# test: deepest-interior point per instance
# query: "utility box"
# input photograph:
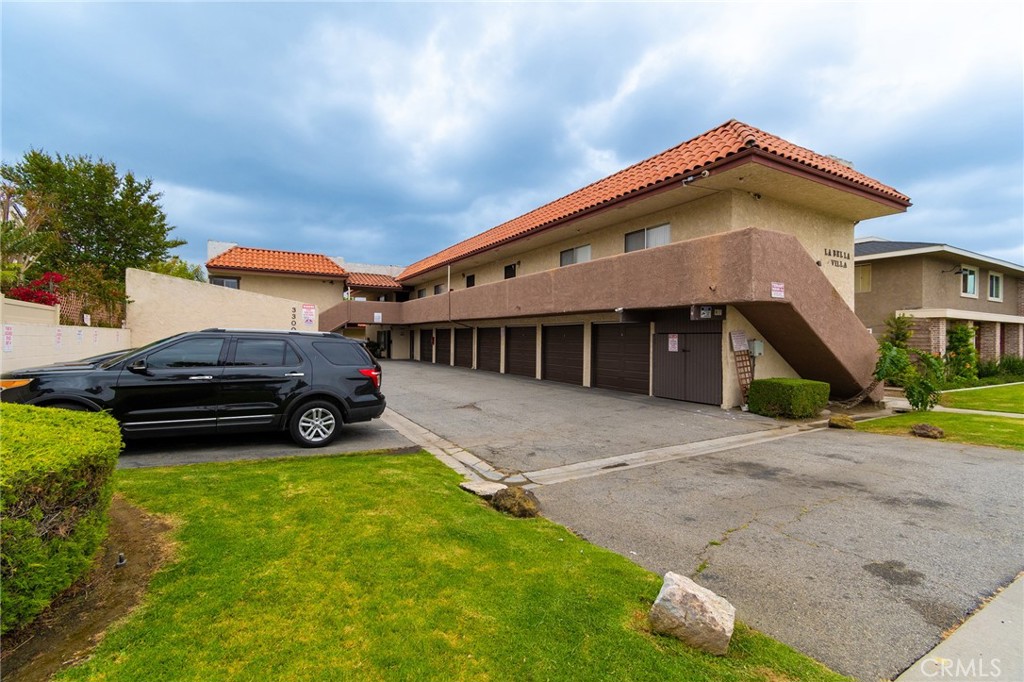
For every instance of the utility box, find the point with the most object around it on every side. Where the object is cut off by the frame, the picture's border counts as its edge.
(756, 347)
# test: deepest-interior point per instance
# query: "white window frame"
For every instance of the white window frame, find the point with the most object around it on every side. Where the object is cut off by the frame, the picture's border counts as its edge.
(995, 277)
(964, 269)
(647, 231)
(577, 254)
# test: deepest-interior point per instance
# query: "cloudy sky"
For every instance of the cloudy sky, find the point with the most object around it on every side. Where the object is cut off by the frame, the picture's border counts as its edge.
(385, 132)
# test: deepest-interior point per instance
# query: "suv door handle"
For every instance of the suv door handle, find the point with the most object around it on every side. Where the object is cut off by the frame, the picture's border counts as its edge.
(295, 374)
(199, 377)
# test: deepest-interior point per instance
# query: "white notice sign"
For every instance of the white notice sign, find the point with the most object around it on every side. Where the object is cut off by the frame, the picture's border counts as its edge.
(308, 313)
(673, 343)
(8, 338)
(778, 290)
(378, 318)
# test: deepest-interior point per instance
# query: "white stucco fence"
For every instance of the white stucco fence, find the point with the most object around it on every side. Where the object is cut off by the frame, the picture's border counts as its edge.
(32, 337)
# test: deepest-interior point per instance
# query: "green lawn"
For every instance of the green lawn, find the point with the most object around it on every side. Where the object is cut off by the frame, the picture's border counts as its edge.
(1003, 432)
(995, 399)
(380, 568)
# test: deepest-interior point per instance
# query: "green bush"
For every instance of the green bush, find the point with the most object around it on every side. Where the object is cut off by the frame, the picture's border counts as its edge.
(961, 358)
(1011, 365)
(796, 398)
(987, 368)
(55, 489)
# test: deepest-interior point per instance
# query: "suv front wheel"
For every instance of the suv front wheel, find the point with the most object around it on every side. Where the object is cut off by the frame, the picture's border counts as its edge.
(315, 424)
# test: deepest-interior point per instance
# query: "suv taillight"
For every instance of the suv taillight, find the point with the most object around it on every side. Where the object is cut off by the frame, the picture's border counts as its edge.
(373, 374)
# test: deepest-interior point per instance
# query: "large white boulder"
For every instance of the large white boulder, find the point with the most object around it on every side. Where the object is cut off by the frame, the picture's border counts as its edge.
(693, 614)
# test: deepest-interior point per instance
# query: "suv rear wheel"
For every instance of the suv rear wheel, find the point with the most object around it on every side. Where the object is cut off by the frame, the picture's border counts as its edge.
(315, 424)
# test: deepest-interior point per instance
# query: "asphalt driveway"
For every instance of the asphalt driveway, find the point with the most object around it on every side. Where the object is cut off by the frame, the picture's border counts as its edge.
(857, 549)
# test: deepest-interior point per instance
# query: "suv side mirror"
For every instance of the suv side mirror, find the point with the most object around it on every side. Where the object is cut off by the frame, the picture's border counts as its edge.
(139, 367)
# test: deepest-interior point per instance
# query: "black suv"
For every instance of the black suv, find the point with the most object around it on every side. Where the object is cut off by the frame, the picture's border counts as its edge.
(218, 381)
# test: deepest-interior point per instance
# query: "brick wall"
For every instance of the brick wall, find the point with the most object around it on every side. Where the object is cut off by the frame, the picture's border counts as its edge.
(929, 335)
(988, 341)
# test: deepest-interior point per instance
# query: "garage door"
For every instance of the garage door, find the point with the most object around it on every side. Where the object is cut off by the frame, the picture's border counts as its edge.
(688, 367)
(426, 344)
(562, 356)
(443, 344)
(488, 349)
(621, 357)
(521, 351)
(463, 347)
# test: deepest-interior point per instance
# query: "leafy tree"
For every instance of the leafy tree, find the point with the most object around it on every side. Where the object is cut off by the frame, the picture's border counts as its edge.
(176, 267)
(98, 217)
(23, 240)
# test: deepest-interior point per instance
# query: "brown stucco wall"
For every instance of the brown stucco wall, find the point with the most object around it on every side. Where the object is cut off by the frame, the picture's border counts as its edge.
(811, 328)
(895, 285)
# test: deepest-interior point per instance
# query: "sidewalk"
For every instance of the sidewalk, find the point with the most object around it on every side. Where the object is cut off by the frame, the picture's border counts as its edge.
(988, 646)
(899, 404)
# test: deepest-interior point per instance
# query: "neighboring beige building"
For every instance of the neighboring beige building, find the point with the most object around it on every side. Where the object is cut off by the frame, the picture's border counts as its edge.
(940, 285)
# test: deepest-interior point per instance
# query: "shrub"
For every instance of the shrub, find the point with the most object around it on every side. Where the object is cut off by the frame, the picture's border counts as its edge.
(987, 368)
(796, 398)
(55, 489)
(898, 330)
(922, 389)
(1011, 365)
(961, 358)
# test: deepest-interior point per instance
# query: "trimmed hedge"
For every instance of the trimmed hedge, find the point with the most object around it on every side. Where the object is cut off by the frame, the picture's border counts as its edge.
(796, 398)
(55, 487)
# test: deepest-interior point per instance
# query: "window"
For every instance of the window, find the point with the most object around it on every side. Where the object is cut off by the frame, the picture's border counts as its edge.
(648, 238)
(229, 282)
(510, 271)
(421, 293)
(200, 352)
(968, 281)
(438, 289)
(343, 353)
(862, 279)
(579, 254)
(470, 281)
(995, 286)
(264, 353)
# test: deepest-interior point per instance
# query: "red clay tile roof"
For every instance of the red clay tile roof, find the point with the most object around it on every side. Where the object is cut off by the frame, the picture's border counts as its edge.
(268, 260)
(365, 280)
(728, 139)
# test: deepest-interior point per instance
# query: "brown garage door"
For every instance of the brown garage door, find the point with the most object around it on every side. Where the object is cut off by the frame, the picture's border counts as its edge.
(562, 355)
(688, 367)
(488, 349)
(463, 347)
(426, 344)
(521, 351)
(622, 357)
(443, 344)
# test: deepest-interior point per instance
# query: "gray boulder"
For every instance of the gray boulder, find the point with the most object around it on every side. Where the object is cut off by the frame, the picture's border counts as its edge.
(693, 614)
(927, 431)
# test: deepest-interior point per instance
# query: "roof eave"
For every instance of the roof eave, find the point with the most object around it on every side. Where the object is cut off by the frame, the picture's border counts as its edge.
(963, 254)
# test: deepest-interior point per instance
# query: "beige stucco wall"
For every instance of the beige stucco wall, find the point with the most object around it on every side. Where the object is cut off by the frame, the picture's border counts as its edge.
(827, 239)
(768, 366)
(31, 345)
(161, 306)
(12, 312)
(322, 292)
(929, 282)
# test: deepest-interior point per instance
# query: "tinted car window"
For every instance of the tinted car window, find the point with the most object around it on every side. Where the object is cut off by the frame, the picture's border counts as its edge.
(264, 353)
(202, 352)
(342, 353)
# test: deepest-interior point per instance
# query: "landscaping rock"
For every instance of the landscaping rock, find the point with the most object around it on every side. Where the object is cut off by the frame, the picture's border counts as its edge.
(841, 421)
(484, 489)
(517, 502)
(927, 431)
(693, 614)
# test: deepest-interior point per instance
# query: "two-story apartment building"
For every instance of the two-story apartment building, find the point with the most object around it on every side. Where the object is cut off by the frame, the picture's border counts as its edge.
(649, 280)
(938, 286)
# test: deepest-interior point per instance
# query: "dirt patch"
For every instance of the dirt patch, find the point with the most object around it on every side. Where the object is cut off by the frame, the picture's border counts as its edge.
(68, 630)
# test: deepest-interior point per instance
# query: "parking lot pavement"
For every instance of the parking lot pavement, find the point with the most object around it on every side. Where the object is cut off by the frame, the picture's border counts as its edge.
(857, 549)
(521, 424)
(372, 435)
